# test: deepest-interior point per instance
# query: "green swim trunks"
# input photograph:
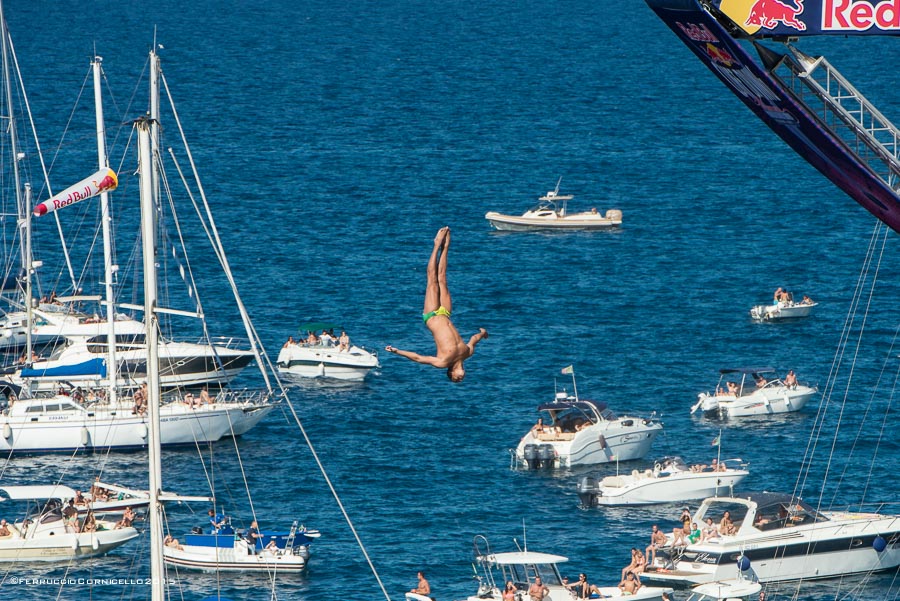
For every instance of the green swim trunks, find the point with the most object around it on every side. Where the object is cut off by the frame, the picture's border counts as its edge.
(440, 311)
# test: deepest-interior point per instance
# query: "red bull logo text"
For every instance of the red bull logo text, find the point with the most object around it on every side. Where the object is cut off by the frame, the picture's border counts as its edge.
(860, 15)
(768, 14)
(697, 33)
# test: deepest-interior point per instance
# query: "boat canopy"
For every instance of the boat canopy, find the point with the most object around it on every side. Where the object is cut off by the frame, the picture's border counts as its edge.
(524, 558)
(746, 370)
(582, 404)
(36, 492)
(313, 326)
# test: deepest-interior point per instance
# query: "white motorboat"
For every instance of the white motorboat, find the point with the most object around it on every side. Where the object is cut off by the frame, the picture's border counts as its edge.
(778, 537)
(59, 423)
(738, 589)
(782, 310)
(670, 480)
(232, 551)
(43, 535)
(759, 392)
(584, 432)
(551, 213)
(325, 358)
(522, 567)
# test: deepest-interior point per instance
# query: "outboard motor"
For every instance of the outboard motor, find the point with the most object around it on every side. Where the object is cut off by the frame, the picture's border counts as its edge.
(531, 456)
(547, 455)
(196, 530)
(588, 491)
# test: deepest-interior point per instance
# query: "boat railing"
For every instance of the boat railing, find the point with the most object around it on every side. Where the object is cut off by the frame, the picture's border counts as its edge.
(229, 342)
(845, 111)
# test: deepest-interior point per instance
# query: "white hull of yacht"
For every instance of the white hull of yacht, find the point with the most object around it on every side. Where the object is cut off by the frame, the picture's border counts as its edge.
(62, 546)
(182, 365)
(646, 488)
(796, 544)
(554, 222)
(326, 362)
(766, 401)
(780, 311)
(625, 439)
(101, 427)
(235, 559)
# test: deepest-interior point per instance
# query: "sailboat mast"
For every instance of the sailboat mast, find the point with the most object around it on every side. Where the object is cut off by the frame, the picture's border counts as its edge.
(29, 315)
(112, 371)
(21, 209)
(148, 216)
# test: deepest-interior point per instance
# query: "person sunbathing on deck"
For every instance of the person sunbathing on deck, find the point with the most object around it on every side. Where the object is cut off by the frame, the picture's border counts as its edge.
(451, 350)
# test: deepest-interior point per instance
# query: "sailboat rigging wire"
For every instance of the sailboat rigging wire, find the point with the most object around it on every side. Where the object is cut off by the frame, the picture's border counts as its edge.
(831, 381)
(37, 144)
(255, 344)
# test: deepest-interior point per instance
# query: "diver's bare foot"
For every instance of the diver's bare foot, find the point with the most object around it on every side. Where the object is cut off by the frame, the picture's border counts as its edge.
(441, 236)
(484, 334)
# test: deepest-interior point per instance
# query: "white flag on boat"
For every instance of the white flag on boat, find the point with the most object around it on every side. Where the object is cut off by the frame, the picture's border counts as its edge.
(104, 180)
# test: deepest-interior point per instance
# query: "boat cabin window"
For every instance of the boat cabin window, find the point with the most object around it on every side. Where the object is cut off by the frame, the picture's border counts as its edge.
(716, 510)
(609, 415)
(97, 344)
(784, 515)
(525, 574)
(35, 409)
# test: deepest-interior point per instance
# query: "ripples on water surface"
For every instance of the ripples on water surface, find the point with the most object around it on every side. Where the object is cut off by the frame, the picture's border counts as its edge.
(334, 140)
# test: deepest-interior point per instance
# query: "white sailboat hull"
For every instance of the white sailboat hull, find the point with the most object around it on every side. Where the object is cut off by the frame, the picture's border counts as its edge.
(116, 427)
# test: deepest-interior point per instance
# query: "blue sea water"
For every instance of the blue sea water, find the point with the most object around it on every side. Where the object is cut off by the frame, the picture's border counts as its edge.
(335, 139)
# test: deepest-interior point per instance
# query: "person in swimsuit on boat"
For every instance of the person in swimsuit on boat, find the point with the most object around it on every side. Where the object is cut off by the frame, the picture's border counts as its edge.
(451, 350)
(509, 593)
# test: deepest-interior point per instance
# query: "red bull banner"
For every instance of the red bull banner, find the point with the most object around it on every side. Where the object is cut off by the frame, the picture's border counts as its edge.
(104, 180)
(707, 34)
(813, 17)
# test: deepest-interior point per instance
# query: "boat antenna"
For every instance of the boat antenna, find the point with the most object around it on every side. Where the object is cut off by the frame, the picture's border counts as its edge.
(524, 536)
(574, 385)
(556, 190)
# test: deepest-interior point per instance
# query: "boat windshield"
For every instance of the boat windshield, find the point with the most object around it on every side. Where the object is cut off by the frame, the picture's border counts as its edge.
(524, 574)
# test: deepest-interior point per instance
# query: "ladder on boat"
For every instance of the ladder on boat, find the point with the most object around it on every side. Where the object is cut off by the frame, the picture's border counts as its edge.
(845, 112)
(289, 544)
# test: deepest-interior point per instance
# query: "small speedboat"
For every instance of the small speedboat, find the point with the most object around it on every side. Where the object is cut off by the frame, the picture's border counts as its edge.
(551, 213)
(231, 550)
(522, 567)
(761, 393)
(670, 480)
(583, 432)
(324, 357)
(783, 309)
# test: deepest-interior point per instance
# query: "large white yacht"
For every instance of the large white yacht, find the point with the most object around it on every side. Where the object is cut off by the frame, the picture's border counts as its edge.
(778, 537)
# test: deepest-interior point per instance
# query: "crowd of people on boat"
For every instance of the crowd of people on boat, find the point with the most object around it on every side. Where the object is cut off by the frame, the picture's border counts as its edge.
(760, 381)
(326, 339)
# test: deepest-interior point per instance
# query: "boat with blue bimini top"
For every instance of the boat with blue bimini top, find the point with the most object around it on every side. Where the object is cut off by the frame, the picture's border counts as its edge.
(227, 549)
(583, 432)
(774, 537)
